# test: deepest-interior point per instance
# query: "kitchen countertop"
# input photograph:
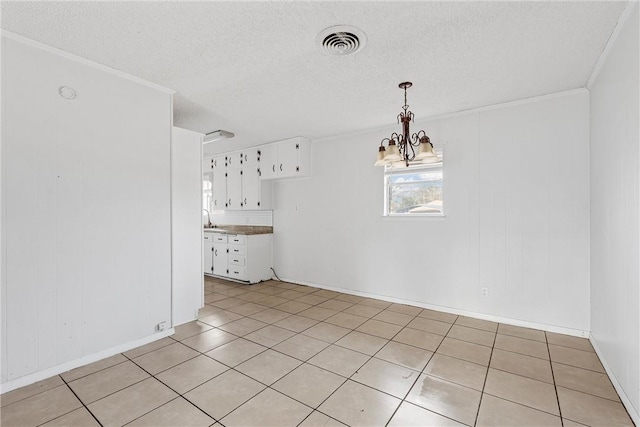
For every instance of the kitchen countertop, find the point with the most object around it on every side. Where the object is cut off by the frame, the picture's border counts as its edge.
(240, 229)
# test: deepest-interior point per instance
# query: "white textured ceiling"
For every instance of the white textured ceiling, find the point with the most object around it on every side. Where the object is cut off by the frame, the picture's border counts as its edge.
(253, 68)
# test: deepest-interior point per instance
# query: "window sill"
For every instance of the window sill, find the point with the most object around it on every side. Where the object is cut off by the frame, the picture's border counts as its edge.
(413, 217)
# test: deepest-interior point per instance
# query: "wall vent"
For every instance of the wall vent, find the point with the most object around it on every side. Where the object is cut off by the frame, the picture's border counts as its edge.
(341, 40)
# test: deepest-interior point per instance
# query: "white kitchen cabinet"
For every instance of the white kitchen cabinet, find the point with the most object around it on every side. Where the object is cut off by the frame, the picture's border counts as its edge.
(233, 160)
(207, 164)
(290, 158)
(220, 255)
(250, 157)
(251, 188)
(268, 161)
(219, 189)
(234, 187)
(218, 163)
(207, 254)
(245, 258)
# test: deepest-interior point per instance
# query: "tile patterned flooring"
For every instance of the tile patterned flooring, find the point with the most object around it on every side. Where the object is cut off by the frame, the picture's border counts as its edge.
(279, 354)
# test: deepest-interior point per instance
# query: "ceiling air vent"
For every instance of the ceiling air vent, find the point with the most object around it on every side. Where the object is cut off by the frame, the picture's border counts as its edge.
(341, 40)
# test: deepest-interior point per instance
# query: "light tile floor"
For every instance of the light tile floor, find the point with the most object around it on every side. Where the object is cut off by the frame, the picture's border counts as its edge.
(279, 354)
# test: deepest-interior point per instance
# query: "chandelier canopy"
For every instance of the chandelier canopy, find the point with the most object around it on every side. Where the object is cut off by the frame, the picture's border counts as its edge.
(406, 148)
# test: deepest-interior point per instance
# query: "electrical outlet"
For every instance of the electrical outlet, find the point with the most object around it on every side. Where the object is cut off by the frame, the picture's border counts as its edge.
(161, 326)
(484, 292)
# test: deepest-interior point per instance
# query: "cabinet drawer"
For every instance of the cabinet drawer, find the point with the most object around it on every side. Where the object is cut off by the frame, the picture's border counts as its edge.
(237, 250)
(235, 260)
(237, 272)
(220, 238)
(207, 237)
(238, 240)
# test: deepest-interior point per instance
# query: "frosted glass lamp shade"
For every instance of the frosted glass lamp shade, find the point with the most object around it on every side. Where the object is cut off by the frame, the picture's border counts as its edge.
(425, 151)
(380, 161)
(392, 153)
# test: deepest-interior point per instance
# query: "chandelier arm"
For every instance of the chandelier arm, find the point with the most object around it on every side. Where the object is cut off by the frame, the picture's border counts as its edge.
(415, 139)
(408, 157)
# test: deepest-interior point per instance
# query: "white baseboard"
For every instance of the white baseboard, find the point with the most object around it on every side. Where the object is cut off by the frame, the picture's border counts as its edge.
(621, 392)
(483, 316)
(67, 366)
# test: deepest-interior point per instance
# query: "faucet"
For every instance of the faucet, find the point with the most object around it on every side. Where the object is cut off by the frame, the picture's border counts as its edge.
(209, 225)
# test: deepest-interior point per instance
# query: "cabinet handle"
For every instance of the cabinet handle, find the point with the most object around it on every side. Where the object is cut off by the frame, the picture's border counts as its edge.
(215, 252)
(297, 168)
(259, 173)
(215, 203)
(229, 204)
(258, 203)
(274, 168)
(245, 200)
(280, 167)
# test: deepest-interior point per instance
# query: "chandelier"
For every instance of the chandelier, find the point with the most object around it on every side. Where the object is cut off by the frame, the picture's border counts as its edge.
(406, 148)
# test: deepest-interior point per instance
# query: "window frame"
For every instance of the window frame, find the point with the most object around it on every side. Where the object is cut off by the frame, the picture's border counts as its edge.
(389, 171)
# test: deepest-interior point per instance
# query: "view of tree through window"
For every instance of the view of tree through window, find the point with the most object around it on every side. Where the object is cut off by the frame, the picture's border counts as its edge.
(414, 190)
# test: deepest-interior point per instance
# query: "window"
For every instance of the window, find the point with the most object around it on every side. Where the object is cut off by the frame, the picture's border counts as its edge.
(207, 191)
(414, 191)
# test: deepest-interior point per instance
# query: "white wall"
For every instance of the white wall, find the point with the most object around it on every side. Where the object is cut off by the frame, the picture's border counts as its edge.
(86, 210)
(615, 217)
(517, 217)
(186, 221)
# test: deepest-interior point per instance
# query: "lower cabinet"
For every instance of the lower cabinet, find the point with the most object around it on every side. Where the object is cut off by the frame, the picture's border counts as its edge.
(244, 258)
(207, 253)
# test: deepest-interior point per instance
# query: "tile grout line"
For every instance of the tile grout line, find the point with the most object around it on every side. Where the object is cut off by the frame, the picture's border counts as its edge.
(484, 384)
(166, 385)
(81, 402)
(404, 399)
(555, 386)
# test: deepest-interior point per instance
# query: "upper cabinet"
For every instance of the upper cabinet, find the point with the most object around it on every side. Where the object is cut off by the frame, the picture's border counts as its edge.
(290, 158)
(250, 157)
(238, 177)
(218, 163)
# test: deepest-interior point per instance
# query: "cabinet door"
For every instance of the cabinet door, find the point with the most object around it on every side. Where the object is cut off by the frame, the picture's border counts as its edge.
(207, 257)
(234, 188)
(218, 163)
(220, 258)
(233, 160)
(219, 189)
(288, 158)
(250, 157)
(250, 188)
(268, 161)
(207, 164)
